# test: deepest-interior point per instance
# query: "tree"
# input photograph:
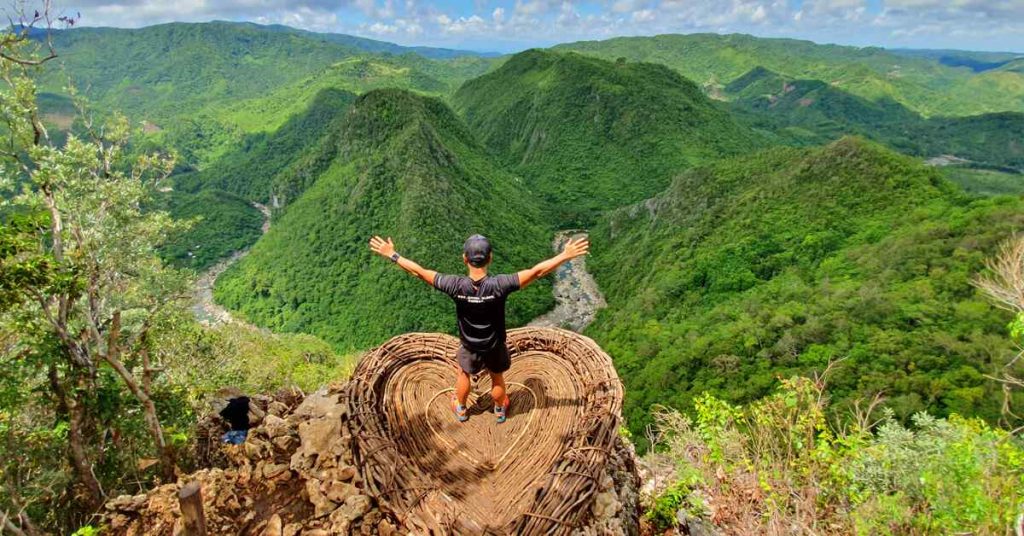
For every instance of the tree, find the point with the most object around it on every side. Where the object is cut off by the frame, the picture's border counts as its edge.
(82, 288)
(1004, 284)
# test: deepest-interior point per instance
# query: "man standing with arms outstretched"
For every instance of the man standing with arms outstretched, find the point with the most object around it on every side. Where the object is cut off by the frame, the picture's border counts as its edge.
(480, 309)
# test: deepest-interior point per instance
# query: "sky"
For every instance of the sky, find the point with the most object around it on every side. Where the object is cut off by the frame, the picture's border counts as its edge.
(512, 25)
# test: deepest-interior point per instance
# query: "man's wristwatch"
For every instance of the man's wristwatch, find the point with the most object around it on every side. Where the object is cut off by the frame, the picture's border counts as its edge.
(395, 256)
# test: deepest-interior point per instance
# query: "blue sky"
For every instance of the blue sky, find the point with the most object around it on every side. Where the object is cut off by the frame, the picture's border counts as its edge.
(510, 25)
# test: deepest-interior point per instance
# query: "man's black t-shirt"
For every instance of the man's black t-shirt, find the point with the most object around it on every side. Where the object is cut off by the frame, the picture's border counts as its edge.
(480, 307)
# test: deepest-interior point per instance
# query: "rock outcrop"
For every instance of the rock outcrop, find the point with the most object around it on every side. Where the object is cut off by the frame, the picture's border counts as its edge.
(295, 476)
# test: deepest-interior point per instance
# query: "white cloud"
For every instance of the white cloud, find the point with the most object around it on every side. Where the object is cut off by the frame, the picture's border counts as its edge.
(515, 24)
(626, 6)
(759, 14)
(643, 15)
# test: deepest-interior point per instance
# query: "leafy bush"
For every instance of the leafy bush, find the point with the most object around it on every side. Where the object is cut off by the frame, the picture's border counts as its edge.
(778, 466)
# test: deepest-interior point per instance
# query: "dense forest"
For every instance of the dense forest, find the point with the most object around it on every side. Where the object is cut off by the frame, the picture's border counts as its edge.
(925, 85)
(814, 112)
(848, 252)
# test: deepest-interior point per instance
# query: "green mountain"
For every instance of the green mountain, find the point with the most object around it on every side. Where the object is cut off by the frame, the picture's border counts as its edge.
(357, 74)
(222, 224)
(1015, 66)
(774, 264)
(976, 61)
(923, 84)
(589, 135)
(262, 160)
(378, 47)
(405, 167)
(813, 112)
(163, 71)
(199, 87)
(272, 169)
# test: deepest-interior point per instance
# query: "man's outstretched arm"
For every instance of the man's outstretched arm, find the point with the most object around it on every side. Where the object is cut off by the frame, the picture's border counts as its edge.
(386, 248)
(573, 248)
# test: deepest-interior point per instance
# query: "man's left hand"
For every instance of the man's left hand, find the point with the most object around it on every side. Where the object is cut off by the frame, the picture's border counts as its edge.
(384, 248)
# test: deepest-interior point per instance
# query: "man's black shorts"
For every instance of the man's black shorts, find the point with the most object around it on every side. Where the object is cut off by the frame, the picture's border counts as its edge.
(496, 361)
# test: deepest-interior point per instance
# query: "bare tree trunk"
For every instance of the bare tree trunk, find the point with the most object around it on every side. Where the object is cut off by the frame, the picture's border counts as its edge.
(79, 455)
(142, 392)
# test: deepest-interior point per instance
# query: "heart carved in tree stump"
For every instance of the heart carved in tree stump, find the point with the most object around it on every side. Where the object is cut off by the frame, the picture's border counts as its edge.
(536, 473)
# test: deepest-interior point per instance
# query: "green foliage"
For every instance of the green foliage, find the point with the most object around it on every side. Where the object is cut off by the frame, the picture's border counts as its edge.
(252, 168)
(200, 87)
(778, 263)
(407, 168)
(663, 512)
(922, 84)
(252, 360)
(590, 135)
(222, 224)
(813, 112)
(986, 182)
(776, 462)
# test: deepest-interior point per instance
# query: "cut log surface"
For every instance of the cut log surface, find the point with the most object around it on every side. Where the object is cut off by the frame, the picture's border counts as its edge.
(190, 499)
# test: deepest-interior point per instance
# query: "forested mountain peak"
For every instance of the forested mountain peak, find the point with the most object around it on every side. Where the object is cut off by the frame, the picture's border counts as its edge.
(406, 168)
(589, 134)
(379, 115)
(923, 84)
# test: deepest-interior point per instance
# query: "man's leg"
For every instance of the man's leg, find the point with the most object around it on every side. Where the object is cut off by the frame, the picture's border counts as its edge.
(462, 385)
(498, 388)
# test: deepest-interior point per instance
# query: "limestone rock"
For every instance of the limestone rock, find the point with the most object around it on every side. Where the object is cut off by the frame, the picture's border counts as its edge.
(277, 409)
(274, 527)
(275, 426)
(272, 470)
(339, 491)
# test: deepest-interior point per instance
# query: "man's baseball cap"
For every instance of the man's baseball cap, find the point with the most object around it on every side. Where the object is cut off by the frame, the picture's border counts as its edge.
(478, 250)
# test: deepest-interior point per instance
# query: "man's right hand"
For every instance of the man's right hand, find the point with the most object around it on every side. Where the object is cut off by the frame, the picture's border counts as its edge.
(384, 248)
(576, 247)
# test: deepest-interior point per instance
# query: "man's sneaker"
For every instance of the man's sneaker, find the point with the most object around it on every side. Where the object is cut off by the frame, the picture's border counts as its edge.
(502, 411)
(460, 412)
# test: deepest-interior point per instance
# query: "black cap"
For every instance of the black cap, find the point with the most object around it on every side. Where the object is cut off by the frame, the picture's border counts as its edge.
(478, 250)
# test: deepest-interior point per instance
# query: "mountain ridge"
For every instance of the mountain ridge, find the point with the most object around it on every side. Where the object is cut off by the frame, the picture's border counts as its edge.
(588, 134)
(922, 84)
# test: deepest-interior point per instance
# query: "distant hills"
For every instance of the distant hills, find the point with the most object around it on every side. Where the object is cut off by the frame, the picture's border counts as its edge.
(375, 46)
(976, 61)
(920, 82)
(590, 135)
(811, 111)
(405, 167)
(225, 79)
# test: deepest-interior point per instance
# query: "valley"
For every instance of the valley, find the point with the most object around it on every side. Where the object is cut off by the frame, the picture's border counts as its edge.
(577, 298)
(206, 310)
